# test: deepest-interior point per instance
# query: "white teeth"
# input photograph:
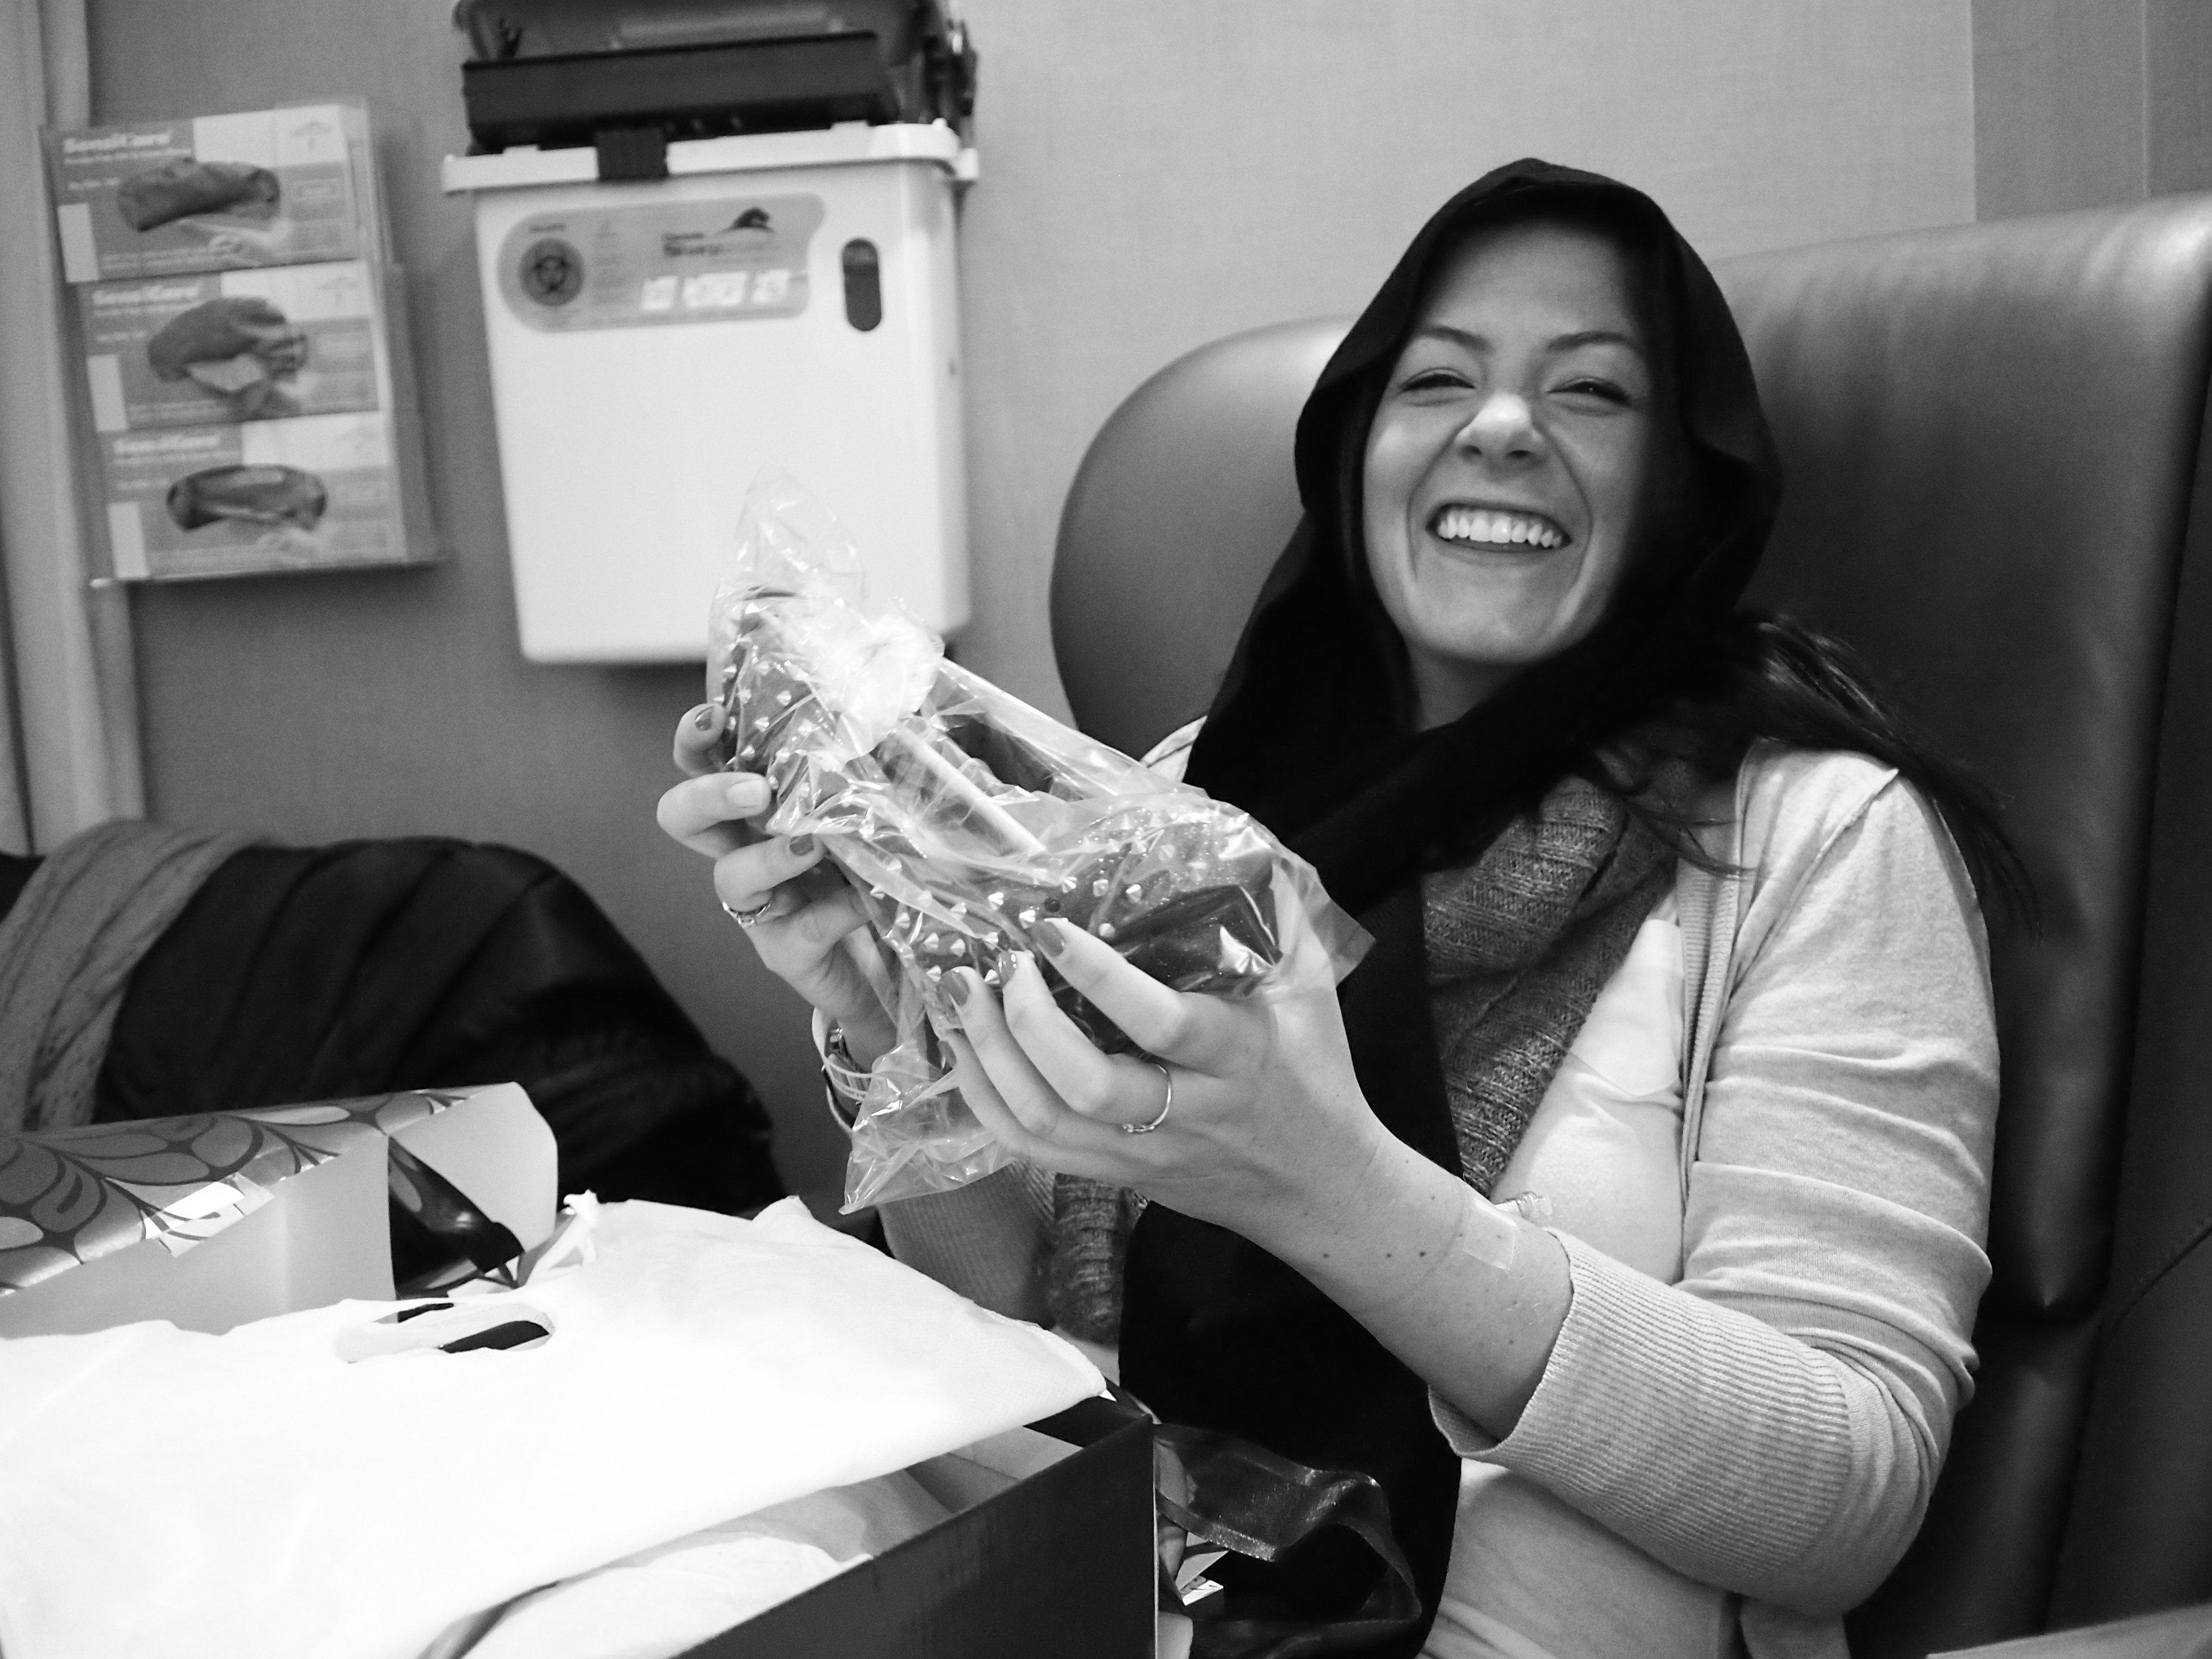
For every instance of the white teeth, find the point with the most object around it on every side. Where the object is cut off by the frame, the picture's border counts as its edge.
(1480, 527)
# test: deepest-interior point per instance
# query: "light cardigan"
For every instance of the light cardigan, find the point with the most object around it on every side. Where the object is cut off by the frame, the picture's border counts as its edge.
(1773, 1423)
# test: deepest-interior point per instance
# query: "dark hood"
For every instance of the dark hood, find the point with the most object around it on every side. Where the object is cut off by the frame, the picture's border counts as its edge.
(1312, 729)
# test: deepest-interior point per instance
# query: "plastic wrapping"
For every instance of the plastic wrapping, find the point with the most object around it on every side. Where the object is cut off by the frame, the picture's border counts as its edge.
(967, 818)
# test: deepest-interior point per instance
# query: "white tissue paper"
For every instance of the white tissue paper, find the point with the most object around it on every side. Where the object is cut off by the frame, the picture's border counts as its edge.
(661, 1601)
(252, 1494)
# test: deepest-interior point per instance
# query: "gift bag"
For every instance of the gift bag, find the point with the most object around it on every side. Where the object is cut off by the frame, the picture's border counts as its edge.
(968, 819)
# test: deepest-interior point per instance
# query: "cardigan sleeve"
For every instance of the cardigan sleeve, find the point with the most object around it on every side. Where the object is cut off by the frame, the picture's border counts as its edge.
(1774, 1423)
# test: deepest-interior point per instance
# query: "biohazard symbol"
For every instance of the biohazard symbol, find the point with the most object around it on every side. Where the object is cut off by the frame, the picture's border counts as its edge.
(552, 272)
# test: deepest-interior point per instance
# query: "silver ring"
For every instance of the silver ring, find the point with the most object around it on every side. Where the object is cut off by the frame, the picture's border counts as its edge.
(749, 918)
(1166, 1106)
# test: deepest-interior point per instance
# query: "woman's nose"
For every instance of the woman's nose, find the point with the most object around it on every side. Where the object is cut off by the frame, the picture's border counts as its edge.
(1501, 428)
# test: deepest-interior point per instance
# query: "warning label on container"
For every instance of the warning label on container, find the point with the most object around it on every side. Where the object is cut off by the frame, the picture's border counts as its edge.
(649, 263)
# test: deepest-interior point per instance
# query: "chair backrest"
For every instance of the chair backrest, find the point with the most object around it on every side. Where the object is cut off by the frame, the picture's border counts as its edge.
(1993, 438)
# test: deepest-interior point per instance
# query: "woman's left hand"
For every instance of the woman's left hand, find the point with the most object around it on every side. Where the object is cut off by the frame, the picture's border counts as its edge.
(1268, 1131)
(1270, 1137)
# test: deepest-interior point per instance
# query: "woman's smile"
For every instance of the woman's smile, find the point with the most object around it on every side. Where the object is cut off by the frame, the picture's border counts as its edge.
(1464, 524)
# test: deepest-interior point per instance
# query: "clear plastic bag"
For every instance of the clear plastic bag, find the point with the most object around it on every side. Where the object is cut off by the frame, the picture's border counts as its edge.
(967, 818)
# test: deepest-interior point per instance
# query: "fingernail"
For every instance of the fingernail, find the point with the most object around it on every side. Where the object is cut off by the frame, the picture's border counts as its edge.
(704, 718)
(803, 845)
(956, 986)
(1049, 939)
(748, 795)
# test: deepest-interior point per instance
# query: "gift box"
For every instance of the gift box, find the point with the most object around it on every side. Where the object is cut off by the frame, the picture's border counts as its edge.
(696, 1367)
(243, 345)
(214, 1220)
(214, 192)
(223, 1221)
(316, 492)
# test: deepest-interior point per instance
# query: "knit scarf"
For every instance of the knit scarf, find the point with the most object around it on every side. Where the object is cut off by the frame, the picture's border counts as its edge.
(1519, 945)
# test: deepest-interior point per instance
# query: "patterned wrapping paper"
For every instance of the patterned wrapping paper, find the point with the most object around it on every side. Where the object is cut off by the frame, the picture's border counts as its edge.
(70, 1196)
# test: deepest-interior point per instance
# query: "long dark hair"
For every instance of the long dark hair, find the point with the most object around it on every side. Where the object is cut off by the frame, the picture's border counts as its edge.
(1313, 729)
(1766, 676)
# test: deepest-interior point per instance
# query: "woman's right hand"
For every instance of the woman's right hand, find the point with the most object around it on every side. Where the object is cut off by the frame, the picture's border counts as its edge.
(805, 936)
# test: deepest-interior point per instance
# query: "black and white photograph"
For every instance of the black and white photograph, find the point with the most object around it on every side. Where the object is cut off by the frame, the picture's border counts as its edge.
(1181, 829)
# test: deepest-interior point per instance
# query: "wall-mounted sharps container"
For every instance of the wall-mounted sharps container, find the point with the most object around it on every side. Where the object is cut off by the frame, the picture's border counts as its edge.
(716, 236)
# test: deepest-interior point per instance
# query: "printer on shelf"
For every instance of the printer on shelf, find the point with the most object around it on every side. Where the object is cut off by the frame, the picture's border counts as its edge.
(555, 73)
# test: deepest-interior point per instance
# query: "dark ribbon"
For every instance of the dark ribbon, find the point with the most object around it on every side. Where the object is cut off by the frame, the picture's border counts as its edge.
(1228, 1491)
(1218, 1334)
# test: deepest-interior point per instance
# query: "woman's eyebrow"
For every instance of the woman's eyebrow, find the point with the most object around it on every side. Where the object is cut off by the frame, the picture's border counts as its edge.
(1480, 343)
(1445, 332)
(1594, 336)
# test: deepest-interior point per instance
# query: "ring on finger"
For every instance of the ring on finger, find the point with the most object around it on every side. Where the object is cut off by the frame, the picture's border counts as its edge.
(1166, 1106)
(749, 918)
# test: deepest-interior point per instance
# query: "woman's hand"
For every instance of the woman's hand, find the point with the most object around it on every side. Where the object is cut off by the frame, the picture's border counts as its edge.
(1268, 1130)
(809, 934)
(1270, 1137)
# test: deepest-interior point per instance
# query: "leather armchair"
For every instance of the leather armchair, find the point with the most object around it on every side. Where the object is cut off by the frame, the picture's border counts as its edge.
(1998, 489)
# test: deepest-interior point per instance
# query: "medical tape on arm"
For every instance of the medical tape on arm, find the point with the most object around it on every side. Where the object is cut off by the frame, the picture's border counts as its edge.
(1491, 1233)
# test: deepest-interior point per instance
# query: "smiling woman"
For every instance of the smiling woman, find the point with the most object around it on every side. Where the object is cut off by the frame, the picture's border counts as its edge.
(1674, 951)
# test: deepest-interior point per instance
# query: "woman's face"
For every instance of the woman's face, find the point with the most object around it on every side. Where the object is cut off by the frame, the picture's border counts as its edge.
(1505, 471)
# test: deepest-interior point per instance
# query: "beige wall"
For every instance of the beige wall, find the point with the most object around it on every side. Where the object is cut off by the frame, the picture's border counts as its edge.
(1156, 172)
(2082, 103)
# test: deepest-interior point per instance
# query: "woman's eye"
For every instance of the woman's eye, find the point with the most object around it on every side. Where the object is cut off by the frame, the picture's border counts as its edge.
(1434, 380)
(1587, 386)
